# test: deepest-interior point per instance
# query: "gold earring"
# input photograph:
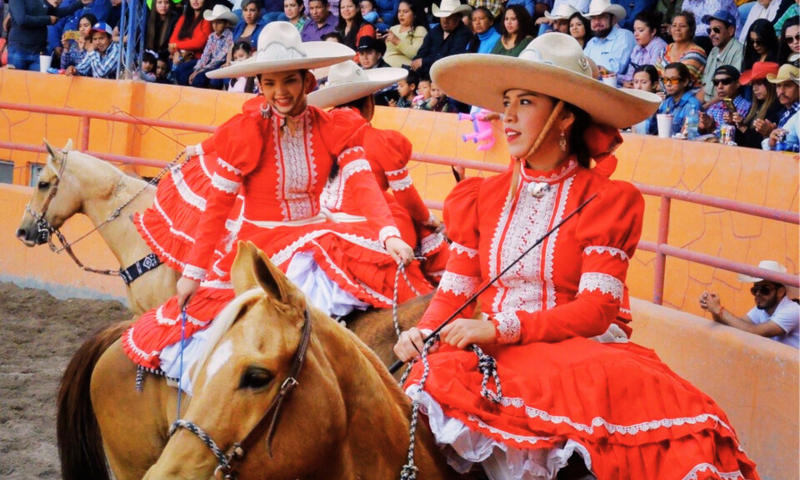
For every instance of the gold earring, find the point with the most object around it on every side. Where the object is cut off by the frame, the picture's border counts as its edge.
(562, 143)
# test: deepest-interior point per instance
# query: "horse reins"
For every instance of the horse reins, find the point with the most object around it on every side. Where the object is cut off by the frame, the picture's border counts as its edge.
(226, 462)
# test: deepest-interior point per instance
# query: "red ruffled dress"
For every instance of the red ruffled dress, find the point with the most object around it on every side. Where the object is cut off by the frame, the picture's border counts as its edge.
(280, 177)
(571, 381)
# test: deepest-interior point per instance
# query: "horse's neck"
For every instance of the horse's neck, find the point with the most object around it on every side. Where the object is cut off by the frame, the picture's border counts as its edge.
(104, 189)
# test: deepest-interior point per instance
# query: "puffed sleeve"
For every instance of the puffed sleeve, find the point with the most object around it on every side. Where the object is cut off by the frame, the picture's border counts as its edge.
(462, 276)
(394, 157)
(239, 149)
(608, 231)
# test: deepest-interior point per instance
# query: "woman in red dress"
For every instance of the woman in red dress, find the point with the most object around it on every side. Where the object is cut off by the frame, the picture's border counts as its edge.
(278, 158)
(572, 385)
(388, 153)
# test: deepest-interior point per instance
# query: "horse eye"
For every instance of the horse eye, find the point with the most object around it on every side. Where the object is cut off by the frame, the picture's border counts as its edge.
(255, 378)
(43, 185)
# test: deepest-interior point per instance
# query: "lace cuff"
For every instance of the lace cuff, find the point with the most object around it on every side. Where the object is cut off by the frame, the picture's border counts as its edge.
(222, 183)
(459, 284)
(388, 232)
(227, 166)
(602, 282)
(431, 243)
(399, 185)
(508, 327)
(198, 149)
(461, 249)
(195, 273)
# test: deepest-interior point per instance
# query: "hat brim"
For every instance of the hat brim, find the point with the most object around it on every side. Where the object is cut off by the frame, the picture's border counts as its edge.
(230, 17)
(439, 13)
(340, 94)
(458, 76)
(559, 17)
(619, 12)
(318, 54)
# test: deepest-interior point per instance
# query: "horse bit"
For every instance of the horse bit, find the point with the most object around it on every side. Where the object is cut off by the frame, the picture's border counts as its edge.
(225, 467)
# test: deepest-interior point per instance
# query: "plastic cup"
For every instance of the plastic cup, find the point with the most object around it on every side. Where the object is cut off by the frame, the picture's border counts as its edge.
(664, 125)
(610, 80)
(44, 62)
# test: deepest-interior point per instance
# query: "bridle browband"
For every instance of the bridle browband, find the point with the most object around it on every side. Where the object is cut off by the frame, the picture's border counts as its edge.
(226, 462)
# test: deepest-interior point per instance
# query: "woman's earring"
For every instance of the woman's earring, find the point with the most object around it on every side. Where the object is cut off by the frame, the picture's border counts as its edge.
(562, 143)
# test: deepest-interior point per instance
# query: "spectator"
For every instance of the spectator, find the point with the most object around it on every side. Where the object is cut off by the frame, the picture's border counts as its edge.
(633, 8)
(189, 39)
(769, 10)
(530, 6)
(164, 69)
(789, 50)
(161, 23)
(649, 46)
(248, 29)
(729, 96)
(147, 70)
(559, 19)
(765, 105)
(387, 10)
(321, 21)
(406, 88)
(74, 51)
(439, 101)
(701, 8)
(295, 13)
(792, 12)
(485, 36)
(369, 12)
(27, 37)
(727, 50)
(668, 9)
(351, 25)
(332, 6)
(580, 28)
(761, 44)
(515, 32)
(450, 37)
(611, 46)
(333, 36)
(775, 314)
(216, 52)
(645, 78)
(102, 61)
(404, 40)
(683, 49)
(679, 99)
(99, 8)
(493, 6)
(789, 98)
(241, 51)
(423, 93)
(370, 53)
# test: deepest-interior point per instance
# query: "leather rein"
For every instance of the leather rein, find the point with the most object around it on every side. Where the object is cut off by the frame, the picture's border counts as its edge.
(226, 462)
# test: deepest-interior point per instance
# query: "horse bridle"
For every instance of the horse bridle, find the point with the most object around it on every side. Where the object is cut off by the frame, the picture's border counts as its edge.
(44, 229)
(225, 467)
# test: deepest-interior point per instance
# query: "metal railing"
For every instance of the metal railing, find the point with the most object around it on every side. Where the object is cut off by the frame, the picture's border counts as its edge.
(660, 247)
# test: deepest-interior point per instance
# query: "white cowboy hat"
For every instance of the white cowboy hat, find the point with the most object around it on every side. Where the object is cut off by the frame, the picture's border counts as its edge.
(766, 265)
(221, 12)
(347, 82)
(553, 65)
(450, 7)
(280, 49)
(563, 12)
(599, 7)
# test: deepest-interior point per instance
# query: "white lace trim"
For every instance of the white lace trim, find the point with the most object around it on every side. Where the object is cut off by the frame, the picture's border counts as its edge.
(227, 166)
(297, 174)
(193, 272)
(162, 320)
(166, 218)
(572, 165)
(185, 192)
(602, 282)
(198, 149)
(161, 252)
(386, 232)
(458, 248)
(458, 284)
(138, 351)
(203, 165)
(333, 195)
(614, 252)
(286, 254)
(510, 436)
(399, 185)
(352, 150)
(431, 243)
(625, 310)
(392, 173)
(508, 326)
(704, 467)
(377, 295)
(635, 429)
(220, 284)
(225, 185)
(431, 220)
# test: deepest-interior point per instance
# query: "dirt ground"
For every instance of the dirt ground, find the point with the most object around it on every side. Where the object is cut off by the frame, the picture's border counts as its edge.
(38, 335)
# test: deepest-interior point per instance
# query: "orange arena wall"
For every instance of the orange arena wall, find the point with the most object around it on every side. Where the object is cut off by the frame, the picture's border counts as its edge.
(754, 379)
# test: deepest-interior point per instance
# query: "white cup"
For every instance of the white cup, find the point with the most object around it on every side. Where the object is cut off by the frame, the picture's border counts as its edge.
(610, 80)
(664, 125)
(44, 62)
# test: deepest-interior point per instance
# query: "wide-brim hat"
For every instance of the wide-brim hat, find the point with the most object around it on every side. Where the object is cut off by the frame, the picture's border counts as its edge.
(766, 265)
(759, 71)
(599, 7)
(221, 12)
(449, 7)
(563, 12)
(280, 49)
(553, 65)
(347, 82)
(785, 73)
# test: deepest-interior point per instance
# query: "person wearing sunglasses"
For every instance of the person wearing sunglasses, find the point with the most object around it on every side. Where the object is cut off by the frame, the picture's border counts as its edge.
(765, 106)
(775, 314)
(726, 82)
(770, 10)
(789, 49)
(761, 44)
(727, 50)
(679, 100)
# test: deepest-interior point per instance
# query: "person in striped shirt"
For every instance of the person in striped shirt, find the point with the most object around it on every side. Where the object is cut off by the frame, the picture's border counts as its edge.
(102, 61)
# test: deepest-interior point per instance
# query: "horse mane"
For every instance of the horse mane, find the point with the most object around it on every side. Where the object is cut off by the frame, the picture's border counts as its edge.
(220, 326)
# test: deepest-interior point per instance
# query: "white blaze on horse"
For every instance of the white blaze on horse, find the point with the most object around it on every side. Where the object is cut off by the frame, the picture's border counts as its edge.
(72, 183)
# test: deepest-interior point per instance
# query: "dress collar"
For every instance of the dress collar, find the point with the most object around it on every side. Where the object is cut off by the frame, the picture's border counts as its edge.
(564, 170)
(269, 112)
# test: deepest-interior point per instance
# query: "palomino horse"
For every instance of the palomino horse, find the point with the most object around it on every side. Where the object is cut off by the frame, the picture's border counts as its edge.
(96, 189)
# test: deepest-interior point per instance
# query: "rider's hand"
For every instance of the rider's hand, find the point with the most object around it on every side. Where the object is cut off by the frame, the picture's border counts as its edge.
(186, 287)
(410, 344)
(399, 250)
(463, 332)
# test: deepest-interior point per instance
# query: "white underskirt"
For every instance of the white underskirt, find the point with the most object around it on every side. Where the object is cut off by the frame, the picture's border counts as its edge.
(464, 447)
(321, 291)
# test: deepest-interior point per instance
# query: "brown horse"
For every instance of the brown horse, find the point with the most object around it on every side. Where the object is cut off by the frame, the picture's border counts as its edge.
(96, 188)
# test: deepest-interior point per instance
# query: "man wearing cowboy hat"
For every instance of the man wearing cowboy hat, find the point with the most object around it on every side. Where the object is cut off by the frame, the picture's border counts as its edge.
(611, 46)
(775, 314)
(451, 36)
(216, 51)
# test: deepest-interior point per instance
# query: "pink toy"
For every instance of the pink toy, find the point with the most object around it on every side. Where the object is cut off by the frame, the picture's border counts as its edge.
(484, 133)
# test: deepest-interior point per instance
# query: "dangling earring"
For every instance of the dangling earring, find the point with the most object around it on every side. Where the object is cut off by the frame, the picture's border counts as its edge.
(562, 143)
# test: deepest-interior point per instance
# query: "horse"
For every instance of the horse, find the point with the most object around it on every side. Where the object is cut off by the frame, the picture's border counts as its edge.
(96, 189)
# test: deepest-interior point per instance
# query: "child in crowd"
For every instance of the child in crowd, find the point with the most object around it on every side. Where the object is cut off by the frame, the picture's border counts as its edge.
(423, 93)
(369, 12)
(164, 69)
(407, 90)
(147, 70)
(335, 37)
(216, 51)
(242, 51)
(645, 77)
(439, 101)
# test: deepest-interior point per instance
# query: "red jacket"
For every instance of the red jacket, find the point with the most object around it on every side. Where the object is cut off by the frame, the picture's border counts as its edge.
(197, 42)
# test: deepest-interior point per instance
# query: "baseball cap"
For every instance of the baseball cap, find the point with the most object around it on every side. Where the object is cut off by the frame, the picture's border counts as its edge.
(721, 15)
(728, 70)
(367, 43)
(102, 27)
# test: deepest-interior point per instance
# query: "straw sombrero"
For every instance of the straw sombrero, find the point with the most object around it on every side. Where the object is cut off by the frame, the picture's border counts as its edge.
(563, 12)
(553, 65)
(281, 49)
(347, 82)
(450, 7)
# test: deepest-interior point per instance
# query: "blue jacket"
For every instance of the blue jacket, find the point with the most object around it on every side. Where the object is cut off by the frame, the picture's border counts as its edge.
(239, 29)
(633, 8)
(99, 8)
(680, 109)
(29, 23)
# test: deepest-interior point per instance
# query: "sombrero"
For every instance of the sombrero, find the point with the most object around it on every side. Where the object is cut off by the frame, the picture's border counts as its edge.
(281, 49)
(599, 7)
(347, 82)
(563, 12)
(553, 65)
(221, 12)
(450, 7)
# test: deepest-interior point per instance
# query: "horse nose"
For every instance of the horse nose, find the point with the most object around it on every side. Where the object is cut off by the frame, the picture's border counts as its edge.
(21, 233)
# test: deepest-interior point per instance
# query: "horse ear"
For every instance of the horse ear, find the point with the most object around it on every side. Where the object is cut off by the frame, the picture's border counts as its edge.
(68, 146)
(242, 273)
(252, 268)
(55, 157)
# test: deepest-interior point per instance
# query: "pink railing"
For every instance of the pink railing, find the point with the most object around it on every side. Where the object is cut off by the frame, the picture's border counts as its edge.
(660, 247)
